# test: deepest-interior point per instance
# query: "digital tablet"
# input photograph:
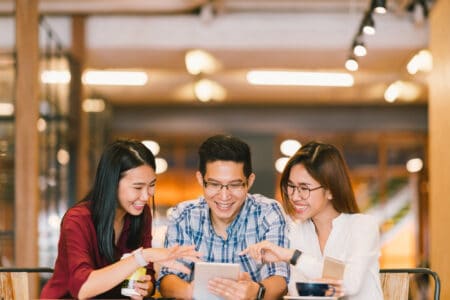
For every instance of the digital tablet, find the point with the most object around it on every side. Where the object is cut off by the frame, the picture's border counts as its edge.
(204, 271)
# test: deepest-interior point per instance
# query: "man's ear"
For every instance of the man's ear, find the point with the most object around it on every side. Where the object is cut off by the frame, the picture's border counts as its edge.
(250, 180)
(199, 178)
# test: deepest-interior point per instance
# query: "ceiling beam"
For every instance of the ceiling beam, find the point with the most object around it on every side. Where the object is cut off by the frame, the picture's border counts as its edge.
(88, 7)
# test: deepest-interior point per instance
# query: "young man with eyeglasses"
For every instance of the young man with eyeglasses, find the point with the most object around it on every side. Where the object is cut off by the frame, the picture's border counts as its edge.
(225, 221)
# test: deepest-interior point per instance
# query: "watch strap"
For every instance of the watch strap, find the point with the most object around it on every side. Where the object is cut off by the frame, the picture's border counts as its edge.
(261, 291)
(139, 257)
(295, 257)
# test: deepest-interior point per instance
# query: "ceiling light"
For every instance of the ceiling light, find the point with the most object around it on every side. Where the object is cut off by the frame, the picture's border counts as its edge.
(412, 67)
(414, 165)
(203, 90)
(379, 6)
(200, 62)
(404, 90)
(63, 156)
(280, 164)
(368, 24)
(392, 92)
(41, 125)
(131, 78)
(93, 105)
(161, 165)
(422, 61)
(289, 147)
(152, 146)
(359, 49)
(55, 77)
(299, 78)
(351, 64)
(206, 90)
(6, 109)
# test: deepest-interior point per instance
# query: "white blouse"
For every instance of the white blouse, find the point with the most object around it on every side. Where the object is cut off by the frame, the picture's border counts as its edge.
(354, 239)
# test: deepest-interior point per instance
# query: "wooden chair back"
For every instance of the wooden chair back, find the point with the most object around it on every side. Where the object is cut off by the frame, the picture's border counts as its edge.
(14, 282)
(14, 286)
(395, 285)
(395, 282)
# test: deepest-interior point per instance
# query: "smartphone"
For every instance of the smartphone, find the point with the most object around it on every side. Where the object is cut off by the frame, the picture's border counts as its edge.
(333, 268)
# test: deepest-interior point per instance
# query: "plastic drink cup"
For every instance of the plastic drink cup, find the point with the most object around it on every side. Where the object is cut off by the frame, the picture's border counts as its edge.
(128, 284)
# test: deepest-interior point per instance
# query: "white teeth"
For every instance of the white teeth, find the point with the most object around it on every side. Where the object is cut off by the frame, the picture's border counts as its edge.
(223, 206)
(301, 207)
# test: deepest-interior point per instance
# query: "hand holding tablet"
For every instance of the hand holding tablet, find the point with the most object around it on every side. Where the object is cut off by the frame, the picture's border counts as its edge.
(204, 271)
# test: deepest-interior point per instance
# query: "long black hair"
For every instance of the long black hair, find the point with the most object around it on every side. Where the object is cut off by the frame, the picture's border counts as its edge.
(117, 158)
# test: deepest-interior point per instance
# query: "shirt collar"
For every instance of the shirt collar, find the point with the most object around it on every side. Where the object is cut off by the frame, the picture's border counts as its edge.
(240, 217)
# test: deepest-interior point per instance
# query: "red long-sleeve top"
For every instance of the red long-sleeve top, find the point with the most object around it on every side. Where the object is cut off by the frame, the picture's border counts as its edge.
(78, 254)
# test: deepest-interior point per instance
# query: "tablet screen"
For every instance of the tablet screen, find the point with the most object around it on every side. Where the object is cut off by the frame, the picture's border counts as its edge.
(204, 271)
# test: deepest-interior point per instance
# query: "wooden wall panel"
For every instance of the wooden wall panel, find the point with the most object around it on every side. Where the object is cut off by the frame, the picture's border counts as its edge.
(79, 118)
(26, 142)
(439, 135)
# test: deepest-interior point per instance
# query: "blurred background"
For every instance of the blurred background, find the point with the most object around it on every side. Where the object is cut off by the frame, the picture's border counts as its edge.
(275, 73)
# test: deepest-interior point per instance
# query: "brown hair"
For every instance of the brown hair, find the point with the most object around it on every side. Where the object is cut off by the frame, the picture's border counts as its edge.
(325, 164)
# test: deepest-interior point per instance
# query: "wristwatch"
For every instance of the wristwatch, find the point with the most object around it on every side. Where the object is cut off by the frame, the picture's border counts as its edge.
(295, 257)
(139, 257)
(261, 291)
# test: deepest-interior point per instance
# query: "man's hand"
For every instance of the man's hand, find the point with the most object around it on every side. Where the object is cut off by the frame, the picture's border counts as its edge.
(173, 286)
(243, 289)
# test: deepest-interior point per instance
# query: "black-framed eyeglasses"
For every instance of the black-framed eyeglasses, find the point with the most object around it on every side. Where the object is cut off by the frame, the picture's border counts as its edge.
(303, 190)
(213, 187)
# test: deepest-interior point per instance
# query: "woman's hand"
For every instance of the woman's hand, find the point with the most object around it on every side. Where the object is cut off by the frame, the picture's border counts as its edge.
(168, 256)
(336, 284)
(142, 287)
(266, 252)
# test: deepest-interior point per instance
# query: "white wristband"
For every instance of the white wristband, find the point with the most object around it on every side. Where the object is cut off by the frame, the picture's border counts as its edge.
(139, 257)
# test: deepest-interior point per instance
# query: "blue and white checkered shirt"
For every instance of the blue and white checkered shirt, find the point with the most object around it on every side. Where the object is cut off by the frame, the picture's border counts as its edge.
(260, 219)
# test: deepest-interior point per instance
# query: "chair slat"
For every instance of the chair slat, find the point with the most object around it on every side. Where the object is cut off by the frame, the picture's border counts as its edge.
(409, 271)
(14, 286)
(6, 286)
(395, 286)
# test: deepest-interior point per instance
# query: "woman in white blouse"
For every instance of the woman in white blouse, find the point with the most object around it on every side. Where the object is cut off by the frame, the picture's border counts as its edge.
(324, 221)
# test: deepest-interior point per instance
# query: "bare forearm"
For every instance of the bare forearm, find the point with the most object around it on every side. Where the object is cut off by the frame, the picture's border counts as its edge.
(275, 287)
(173, 286)
(104, 279)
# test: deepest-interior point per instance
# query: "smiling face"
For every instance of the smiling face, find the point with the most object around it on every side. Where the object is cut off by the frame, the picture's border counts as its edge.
(225, 202)
(318, 203)
(135, 188)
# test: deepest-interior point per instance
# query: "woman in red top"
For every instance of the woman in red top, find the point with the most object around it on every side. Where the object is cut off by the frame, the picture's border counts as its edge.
(112, 220)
